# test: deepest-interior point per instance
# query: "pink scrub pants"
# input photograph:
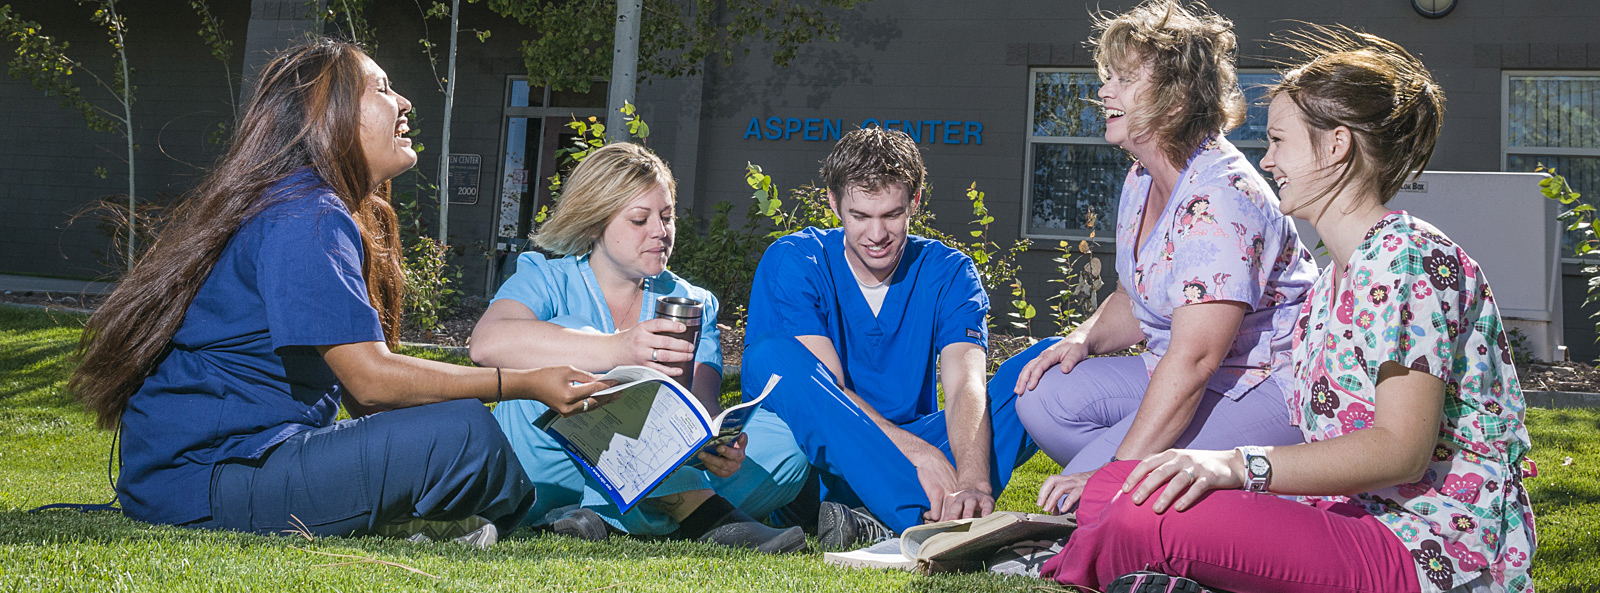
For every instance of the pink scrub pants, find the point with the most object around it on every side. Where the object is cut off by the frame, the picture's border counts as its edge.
(1235, 540)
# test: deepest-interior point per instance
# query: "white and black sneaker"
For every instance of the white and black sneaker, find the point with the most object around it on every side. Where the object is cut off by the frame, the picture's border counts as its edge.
(474, 531)
(839, 527)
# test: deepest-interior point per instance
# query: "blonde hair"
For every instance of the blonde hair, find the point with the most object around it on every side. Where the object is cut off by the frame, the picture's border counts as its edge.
(597, 190)
(1191, 58)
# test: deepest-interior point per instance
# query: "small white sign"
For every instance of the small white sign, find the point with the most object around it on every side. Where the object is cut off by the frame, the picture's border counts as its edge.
(1415, 187)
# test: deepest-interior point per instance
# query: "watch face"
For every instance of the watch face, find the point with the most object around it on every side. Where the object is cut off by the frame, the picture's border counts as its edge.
(1258, 466)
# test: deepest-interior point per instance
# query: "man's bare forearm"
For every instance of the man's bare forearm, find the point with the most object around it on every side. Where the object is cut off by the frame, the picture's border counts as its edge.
(967, 418)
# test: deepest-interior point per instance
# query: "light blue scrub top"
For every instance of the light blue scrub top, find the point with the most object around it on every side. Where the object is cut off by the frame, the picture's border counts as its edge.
(564, 291)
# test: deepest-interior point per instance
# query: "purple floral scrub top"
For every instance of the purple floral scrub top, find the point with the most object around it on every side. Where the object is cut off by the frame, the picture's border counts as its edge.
(1415, 298)
(1221, 237)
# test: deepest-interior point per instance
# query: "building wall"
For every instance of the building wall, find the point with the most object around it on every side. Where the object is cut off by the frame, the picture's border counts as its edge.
(934, 60)
(48, 163)
(944, 60)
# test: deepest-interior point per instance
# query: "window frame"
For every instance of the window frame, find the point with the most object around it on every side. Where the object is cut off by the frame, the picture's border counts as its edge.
(1507, 151)
(532, 112)
(1031, 141)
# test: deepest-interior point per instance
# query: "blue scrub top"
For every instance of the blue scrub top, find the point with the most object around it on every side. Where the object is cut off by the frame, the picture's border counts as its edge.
(243, 373)
(804, 286)
(566, 287)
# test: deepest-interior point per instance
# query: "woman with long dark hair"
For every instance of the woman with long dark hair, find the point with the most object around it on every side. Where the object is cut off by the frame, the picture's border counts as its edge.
(273, 298)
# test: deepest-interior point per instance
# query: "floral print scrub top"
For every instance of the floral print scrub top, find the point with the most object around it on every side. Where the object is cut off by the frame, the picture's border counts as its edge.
(1412, 296)
(1220, 237)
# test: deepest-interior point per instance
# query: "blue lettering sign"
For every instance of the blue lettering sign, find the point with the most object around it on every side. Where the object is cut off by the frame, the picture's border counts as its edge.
(817, 129)
(952, 132)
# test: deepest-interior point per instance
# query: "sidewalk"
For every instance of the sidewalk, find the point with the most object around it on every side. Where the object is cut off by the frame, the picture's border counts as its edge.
(18, 284)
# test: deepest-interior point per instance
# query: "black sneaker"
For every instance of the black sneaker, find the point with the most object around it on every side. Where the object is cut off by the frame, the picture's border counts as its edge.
(742, 531)
(580, 523)
(1154, 582)
(839, 527)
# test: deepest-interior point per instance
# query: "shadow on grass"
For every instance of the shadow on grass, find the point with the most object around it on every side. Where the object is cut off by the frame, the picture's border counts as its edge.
(103, 528)
(36, 350)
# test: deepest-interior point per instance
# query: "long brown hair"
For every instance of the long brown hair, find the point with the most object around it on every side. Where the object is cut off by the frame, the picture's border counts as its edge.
(1383, 94)
(305, 113)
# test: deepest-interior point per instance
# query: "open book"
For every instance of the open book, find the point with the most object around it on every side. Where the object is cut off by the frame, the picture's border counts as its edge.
(962, 544)
(654, 426)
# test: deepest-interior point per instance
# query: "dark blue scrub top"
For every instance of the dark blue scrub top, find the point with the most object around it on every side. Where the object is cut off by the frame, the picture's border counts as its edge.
(243, 373)
(804, 286)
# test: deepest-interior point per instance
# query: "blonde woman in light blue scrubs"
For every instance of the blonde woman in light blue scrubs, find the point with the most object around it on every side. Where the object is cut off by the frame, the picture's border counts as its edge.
(591, 306)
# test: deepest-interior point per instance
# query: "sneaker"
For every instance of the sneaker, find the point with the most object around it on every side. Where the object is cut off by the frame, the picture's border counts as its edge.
(1155, 582)
(839, 526)
(474, 531)
(745, 532)
(580, 523)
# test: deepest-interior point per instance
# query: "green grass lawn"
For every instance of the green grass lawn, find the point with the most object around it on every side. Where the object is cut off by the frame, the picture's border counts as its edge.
(49, 452)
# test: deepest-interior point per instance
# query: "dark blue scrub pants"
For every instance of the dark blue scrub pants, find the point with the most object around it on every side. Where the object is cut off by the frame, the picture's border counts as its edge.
(857, 463)
(444, 462)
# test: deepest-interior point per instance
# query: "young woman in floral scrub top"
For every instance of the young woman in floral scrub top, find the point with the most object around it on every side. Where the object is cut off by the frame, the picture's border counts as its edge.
(1412, 476)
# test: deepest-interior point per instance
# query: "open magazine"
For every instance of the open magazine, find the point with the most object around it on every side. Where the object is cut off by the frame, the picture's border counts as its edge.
(959, 545)
(654, 426)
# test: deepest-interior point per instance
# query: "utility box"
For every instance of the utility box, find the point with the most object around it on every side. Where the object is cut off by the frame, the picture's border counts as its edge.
(1509, 228)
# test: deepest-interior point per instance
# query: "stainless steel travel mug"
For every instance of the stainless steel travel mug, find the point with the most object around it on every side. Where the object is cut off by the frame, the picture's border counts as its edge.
(686, 311)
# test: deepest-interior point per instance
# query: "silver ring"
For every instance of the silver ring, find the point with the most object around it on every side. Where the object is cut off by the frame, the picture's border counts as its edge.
(1189, 471)
(653, 352)
(586, 404)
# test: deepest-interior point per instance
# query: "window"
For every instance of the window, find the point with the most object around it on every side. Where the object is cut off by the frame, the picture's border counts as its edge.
(1554, 118)
(536, 121)
(1071, 170)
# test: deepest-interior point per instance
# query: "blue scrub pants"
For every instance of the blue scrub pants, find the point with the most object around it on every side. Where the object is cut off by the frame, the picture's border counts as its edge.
(443, 462)
(857, 463)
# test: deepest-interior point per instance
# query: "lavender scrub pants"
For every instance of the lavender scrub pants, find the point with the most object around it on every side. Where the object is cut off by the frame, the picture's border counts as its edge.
(1080, 418)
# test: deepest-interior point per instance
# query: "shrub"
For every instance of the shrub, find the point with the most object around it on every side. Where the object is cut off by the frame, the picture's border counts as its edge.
(429, 295)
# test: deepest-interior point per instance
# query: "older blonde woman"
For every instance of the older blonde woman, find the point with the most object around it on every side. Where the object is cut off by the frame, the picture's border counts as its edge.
(1211, 274)
(592, 308)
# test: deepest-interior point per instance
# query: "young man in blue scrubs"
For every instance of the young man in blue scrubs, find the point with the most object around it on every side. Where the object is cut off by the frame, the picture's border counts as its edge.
(857, 320)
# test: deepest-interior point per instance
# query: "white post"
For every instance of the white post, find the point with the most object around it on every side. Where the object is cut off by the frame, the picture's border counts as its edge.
(449, 104)
(624, 67)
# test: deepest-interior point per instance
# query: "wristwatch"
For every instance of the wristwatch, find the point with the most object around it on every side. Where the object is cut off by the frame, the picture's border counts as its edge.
(1257, 468)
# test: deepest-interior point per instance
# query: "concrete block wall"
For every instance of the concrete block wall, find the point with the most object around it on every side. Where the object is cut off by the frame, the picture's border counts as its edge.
(47, 166)
(946, 59)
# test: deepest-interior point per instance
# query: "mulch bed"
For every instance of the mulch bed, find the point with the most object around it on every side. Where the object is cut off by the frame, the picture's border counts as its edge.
(454, 331)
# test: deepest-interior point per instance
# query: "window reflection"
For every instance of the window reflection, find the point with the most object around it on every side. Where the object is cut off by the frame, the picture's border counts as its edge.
(1555, 121)
(1072, 168)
